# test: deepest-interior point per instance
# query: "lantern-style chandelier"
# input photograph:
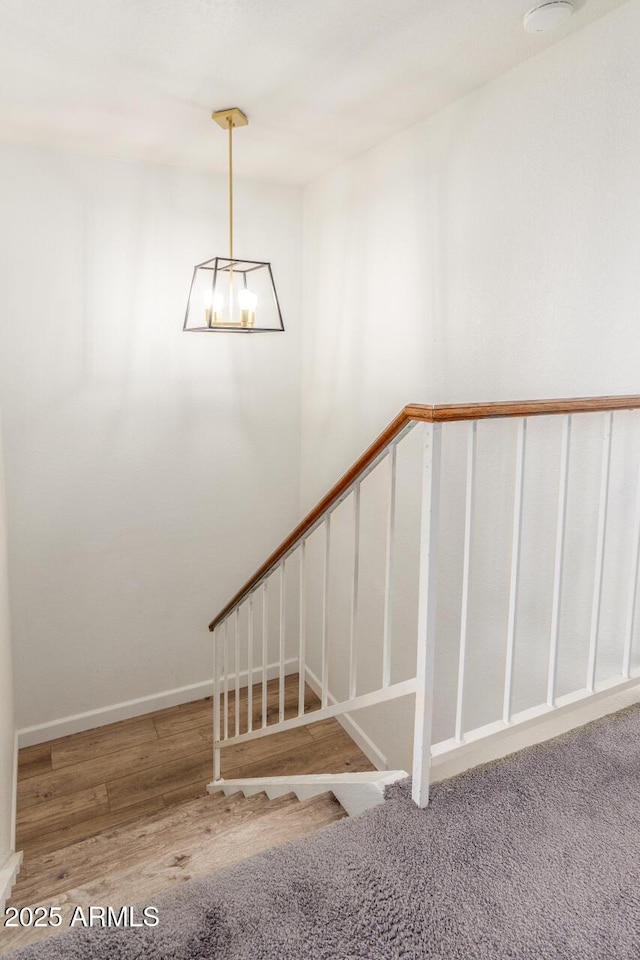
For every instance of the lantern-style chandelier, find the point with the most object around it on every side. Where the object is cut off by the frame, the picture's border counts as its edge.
(238, 296)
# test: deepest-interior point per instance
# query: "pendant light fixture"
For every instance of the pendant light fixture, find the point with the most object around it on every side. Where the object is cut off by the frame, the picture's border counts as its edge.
(227, 294)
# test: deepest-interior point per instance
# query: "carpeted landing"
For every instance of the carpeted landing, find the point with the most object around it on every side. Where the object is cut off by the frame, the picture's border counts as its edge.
(536, 856)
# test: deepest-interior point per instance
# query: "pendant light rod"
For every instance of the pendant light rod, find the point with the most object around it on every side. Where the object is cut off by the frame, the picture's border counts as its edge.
(228, 119)
(231, 191)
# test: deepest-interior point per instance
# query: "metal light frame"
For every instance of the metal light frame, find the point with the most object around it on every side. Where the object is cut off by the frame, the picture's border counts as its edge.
(235, 267)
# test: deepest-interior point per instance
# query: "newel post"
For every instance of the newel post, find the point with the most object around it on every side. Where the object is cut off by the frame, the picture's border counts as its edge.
(431, 457)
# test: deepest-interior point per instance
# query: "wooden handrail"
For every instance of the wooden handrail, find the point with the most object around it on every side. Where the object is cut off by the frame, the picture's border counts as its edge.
(428, 413)
(447, 413)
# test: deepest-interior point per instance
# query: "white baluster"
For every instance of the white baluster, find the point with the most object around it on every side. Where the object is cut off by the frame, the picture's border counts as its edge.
(426, 612)
(325, 613)
(561, 523)
(250, 667)
(388, 573)
(226, 679)
(515, 569)
(216, 704)
(633, 589)
(602, 534)
(353, 658)
(282, 643)
(237, 651)
(466, 574)
(302, 666)
(265, 650)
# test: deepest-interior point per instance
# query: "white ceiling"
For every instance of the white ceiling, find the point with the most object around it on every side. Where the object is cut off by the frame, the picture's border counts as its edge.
(321, 80)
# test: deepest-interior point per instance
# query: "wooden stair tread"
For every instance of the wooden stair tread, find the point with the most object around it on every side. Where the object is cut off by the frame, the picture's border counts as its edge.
(119, 814)
(198, 856)
(132, 830)
(133, 879)
(79, 862)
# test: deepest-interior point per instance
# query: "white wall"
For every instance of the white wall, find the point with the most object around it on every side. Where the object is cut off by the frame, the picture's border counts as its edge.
(7, 726)
(488, 253)
(148, 471)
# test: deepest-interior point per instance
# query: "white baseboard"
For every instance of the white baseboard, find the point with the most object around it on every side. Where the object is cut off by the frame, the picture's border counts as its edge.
(355, 731)
(8, 873)
(11, 865)
(495, 741)
(43, 732)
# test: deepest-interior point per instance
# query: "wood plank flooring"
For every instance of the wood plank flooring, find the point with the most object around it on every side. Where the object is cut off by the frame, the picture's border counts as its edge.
(115, 815)
(134, 863)
(77, 786)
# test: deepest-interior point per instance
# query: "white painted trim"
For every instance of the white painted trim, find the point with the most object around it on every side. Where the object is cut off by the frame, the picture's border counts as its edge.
(8, 873)
(353, 729)
(11, 866)
(426, 625)
(496, 740)
(450, 758)
(403, 689)
(138, 707)
(356, 792)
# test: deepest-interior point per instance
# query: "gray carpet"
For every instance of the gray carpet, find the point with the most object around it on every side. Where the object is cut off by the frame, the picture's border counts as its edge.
(536, 857)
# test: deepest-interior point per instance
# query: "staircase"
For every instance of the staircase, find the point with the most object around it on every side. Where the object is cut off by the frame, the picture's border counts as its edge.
(288, 656)
(134, 863)
(319, 608)
(355, 792)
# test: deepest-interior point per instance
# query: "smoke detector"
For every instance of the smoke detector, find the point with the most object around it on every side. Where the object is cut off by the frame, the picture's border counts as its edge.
(547, 16)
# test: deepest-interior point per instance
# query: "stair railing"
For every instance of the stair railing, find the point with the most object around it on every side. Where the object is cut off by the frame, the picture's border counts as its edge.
(238, 665)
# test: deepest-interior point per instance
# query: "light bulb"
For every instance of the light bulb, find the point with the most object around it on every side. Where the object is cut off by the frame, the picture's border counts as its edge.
(247, 302)
(212, 306)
